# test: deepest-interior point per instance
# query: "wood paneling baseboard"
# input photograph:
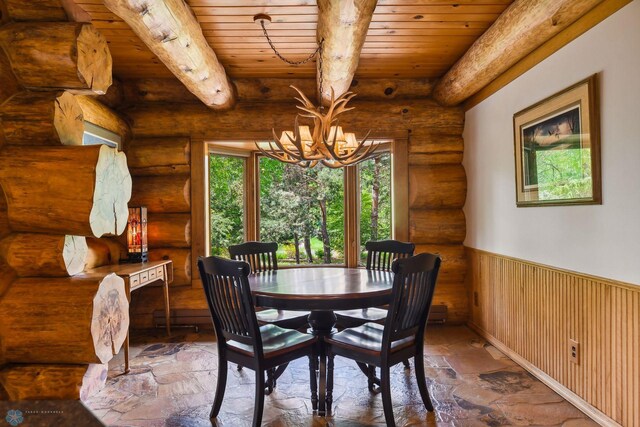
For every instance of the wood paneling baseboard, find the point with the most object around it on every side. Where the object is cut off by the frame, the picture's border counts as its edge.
(531, 311)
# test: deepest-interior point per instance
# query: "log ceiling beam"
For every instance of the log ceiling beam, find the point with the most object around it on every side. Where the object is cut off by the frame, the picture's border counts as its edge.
(520, 29)
(343, 25)
(42, 10)
(171, 31)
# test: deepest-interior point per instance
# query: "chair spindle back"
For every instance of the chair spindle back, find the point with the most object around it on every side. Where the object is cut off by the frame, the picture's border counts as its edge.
(261, 256)
(413, 287)
(229, 298)
(381, 254)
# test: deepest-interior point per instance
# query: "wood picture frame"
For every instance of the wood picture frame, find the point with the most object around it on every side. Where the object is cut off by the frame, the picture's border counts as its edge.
(557, 148)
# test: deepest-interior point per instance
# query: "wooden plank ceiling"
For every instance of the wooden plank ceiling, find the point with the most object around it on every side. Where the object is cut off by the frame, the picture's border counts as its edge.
(406, 38)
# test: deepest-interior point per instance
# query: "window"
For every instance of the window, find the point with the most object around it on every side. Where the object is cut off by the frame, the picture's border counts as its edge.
(375, 201)
(317, 216)
(94, 135)
(302, 210)
(226, 202)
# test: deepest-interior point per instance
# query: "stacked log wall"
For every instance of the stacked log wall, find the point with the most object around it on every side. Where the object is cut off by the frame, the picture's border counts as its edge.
(437, 193)
(161, 182)
(58, 327)
(49, 315)
(437, 186)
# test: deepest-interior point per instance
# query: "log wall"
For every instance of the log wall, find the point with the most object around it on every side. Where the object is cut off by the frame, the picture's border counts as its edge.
(161, 182)
(142, 91)
(56, 331)
(437, 181)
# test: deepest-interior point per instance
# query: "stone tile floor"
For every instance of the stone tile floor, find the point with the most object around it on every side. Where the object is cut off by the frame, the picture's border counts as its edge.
(172, 383)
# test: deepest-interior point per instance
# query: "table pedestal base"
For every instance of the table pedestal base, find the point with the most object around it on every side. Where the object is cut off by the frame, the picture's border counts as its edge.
(322, 324)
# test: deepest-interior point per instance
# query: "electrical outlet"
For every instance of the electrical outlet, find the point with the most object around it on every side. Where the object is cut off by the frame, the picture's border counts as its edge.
(475, 299)
(574, 351)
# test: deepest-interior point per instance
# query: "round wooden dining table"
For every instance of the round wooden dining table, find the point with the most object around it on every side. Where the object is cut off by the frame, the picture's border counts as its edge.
(321, 290)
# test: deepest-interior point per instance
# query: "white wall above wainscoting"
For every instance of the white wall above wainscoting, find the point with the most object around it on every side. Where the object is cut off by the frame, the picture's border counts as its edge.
(602, 240)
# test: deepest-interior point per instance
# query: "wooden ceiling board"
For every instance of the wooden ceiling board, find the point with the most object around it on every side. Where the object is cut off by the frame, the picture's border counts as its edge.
(226, 26)
(406, 38)
(266, 3)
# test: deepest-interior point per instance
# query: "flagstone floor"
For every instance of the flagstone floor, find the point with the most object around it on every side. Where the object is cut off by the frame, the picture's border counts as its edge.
(172, 382)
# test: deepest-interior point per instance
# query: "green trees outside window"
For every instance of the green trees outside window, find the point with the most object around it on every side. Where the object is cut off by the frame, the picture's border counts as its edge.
(226, 202)
(301, 209)
(375, 201)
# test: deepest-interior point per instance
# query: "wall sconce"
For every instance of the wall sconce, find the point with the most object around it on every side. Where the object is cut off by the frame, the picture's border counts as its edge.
(137, 234)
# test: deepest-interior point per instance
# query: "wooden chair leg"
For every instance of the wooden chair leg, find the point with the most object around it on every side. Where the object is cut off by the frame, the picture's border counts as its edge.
(322, 403)
(313, 381)
(259, 400)
(280, 370)
(220, 387)
(385, 386)
(329, 382)
(271, 381)
(422, 383)
(372, 380)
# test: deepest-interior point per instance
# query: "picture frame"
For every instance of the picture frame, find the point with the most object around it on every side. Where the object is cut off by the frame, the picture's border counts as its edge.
(557, 148)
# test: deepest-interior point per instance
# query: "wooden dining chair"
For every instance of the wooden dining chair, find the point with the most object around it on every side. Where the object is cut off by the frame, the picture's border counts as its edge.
(240, 339)
(262, 258)
(380, 257)
(402, 335)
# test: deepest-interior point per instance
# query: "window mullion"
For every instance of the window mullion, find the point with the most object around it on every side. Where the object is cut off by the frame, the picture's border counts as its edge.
(252, 198)
(351, 216)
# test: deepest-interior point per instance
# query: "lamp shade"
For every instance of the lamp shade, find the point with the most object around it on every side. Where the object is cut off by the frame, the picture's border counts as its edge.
(335, 133)
(351, 142)
(137, 245)
(305, 137)
(286, 139)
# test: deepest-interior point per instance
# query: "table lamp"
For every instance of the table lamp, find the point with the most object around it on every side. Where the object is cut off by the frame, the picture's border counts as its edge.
(137, 234)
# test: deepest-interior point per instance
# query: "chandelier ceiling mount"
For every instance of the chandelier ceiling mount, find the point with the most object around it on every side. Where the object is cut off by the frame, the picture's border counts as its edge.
(325, 143)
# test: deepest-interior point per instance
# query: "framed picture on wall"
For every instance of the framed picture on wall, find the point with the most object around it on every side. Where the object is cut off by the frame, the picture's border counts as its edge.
(557, 148)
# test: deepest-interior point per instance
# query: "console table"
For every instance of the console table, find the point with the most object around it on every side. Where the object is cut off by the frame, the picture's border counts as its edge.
(136, 276)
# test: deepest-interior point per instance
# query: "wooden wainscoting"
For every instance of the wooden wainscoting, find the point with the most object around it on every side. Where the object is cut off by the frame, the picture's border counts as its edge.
(531, 311)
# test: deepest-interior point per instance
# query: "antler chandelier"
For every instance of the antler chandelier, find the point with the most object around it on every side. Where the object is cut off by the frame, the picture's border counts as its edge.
(326, 143)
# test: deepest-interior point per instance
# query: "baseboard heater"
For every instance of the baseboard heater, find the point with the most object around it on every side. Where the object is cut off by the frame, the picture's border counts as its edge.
(202, 319)
(438, 314)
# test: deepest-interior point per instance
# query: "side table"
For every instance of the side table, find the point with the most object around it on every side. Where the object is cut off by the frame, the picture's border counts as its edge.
(136, 276)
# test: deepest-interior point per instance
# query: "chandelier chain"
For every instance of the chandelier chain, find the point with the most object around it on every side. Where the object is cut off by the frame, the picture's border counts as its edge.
(320, 67)
(288, 61)
(326, 144)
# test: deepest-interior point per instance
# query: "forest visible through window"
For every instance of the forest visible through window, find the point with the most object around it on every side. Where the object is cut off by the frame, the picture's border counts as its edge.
(226, 202)
(303, 210)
